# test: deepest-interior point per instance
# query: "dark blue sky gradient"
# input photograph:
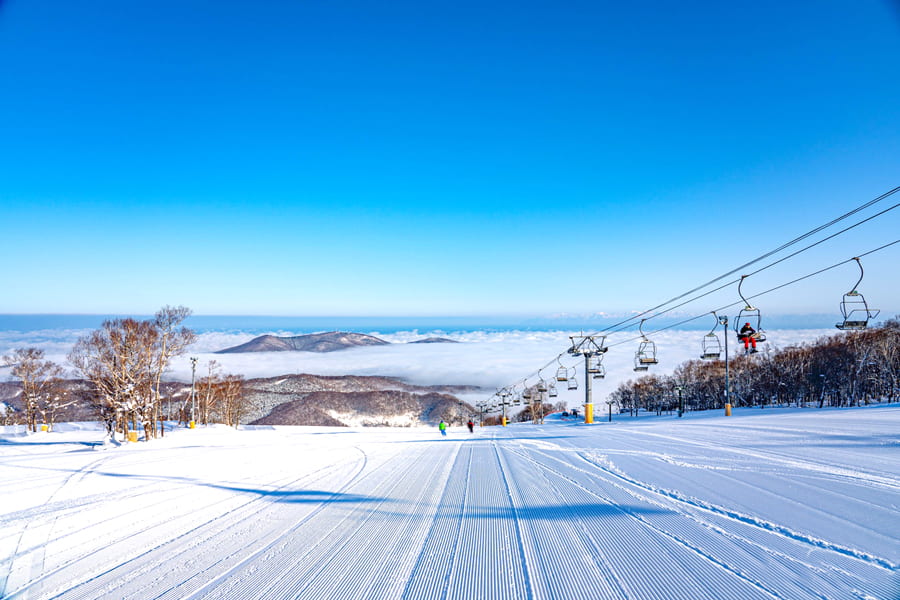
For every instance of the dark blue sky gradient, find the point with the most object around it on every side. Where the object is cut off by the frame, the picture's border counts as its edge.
(435, 158)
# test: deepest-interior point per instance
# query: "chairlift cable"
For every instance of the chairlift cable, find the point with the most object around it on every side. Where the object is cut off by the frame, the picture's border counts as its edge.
(618, 326)
(778, 287)
(823, 240)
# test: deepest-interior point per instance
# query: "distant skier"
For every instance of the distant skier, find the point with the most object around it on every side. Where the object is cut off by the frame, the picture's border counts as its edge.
(471, 426)
(443, 427)
(747, 335)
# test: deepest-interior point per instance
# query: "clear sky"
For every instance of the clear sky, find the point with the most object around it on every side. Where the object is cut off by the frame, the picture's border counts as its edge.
(438, 158)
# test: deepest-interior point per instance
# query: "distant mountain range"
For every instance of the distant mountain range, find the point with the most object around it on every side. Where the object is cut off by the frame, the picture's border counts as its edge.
(317, 342)
(351, 401)
(330, 400)
(435, 340)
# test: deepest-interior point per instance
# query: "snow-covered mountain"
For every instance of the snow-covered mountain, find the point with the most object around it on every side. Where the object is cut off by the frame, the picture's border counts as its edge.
(315, 342)
(350, 401)
(299, 399)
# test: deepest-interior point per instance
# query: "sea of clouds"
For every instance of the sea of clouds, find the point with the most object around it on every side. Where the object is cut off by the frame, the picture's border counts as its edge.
(488, 359)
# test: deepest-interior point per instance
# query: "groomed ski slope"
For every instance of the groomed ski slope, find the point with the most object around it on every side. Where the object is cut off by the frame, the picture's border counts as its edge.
(767, 504)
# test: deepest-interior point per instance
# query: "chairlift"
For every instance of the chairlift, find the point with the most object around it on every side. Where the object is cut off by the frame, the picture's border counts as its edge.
(552, 391)
(572, 382)
(541, 384)
(711, 347)
(854, 309)
(595, 366)
(748, 314)
(562, 373)
(646, 352)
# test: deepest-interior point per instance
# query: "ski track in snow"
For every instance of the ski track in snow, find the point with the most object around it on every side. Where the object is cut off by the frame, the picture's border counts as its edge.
(726, 564)
(181, 534)
(714, 509)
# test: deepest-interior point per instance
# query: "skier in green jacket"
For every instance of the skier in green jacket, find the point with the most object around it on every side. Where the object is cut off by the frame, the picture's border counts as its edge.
(443, 427)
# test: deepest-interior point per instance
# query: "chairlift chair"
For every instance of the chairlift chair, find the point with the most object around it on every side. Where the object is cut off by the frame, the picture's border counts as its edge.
(646, 352)
(854, 309)
(711, 347)
(572, 382)
(748, 314)
(562, 373)
(751, 315)
(600, 373)
(856, 312)
(552, 391)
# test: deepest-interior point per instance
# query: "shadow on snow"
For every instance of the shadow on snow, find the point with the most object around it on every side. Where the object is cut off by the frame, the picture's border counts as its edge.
(562, 512)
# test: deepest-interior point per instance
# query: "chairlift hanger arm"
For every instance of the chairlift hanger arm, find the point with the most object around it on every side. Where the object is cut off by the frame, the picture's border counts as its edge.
(716, 325)
(641, 329)
(747, 305)
(861, 273)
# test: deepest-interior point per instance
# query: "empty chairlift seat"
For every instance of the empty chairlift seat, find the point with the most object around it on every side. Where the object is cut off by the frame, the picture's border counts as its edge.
(854, 309)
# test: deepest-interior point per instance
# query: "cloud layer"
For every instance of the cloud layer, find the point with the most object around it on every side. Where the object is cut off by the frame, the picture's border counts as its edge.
(489, 359)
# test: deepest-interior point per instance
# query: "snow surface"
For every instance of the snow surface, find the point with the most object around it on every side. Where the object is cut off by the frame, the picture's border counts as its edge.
(772, 503)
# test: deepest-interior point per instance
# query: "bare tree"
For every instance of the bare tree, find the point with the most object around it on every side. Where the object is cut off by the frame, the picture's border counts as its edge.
(172, 340)
(56, 398)
(234, 403)
(40, 381)
(124, 361)
(839, 370)
(209, 391)
(7, 415)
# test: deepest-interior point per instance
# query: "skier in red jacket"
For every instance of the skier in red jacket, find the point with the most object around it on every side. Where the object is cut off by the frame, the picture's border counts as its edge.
(747, 335)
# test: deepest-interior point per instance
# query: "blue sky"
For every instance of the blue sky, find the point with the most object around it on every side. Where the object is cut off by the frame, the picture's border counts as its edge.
(410, 158)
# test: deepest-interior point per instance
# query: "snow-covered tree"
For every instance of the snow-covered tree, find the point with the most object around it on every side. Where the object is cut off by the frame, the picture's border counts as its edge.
(172, 339)
(41, 384)
(125, 360)
(844, 369)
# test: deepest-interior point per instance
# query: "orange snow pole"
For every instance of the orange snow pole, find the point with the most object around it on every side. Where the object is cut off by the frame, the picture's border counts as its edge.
(589, 413)
(728, 410)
